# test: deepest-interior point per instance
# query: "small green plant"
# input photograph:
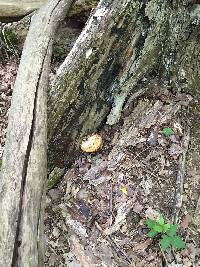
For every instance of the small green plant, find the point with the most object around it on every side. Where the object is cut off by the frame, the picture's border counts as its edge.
(167, 131)
(166, 232)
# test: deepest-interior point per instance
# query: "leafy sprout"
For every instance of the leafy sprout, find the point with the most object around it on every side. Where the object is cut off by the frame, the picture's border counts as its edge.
(167, 131)
(166, 232)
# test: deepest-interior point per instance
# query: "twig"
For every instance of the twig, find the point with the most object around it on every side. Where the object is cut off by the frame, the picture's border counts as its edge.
(122, 212)
(117, 249)
(134, 96)
(181, 176)
(197, 211)
(140, 153)
(163, 254)
(111, 204)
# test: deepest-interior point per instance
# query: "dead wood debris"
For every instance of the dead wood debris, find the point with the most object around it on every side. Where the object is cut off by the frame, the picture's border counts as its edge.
(181, 175)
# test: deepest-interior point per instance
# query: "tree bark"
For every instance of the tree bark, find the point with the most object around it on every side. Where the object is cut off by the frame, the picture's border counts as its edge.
(124, 45)
(23, 173)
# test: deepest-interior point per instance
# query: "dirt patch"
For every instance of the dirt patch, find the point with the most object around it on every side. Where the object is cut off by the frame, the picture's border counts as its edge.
(101, 206)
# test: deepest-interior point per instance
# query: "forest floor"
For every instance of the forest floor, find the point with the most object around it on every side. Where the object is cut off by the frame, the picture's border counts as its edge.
(8, 69)
(148, 165)
(98, 212)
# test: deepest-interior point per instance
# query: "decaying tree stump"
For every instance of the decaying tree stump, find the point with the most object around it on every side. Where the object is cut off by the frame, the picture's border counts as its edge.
(124, 44)
(23, 173)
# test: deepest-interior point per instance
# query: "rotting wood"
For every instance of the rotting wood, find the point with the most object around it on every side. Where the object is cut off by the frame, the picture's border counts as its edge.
(79, 252)
(83, 100)
(124, 44)
(23, 173)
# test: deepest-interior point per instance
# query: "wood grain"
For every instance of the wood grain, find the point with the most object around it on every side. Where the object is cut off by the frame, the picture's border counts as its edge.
(24, 167)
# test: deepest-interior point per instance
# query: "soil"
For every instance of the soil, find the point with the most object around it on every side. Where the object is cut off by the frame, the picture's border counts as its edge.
(96, 216)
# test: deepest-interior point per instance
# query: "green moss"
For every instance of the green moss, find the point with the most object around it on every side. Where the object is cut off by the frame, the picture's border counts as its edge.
(59, 52)
(8, 41)
(90, 119)
(54, 177)
(9, 37)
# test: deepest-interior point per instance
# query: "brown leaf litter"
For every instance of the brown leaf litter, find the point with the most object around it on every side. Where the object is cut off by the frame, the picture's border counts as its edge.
(99, 224)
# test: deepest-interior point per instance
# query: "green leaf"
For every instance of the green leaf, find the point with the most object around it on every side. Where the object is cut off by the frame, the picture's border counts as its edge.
(177, 242)
(172, 230)
(150, 223)
(152, 233)
(166, 227)
(161, 220)
(165, 242)
(158, 228)
(167, 131)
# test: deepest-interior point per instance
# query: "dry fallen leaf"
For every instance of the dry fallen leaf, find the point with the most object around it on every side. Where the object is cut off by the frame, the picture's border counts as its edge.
(175, 149)
(186, 221)
(124, 190)
(178, 127)
(143, 245)
(152, 214)
(92, 143)
(138, 207)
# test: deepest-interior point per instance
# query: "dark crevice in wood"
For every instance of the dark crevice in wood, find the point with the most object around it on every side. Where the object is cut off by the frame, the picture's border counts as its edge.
(23, 183)
(25, 167)
(16, 245)
(43, 186)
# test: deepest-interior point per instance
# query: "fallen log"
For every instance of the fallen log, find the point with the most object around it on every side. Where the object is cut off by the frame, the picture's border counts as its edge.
(24, 166)
(11, 9)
